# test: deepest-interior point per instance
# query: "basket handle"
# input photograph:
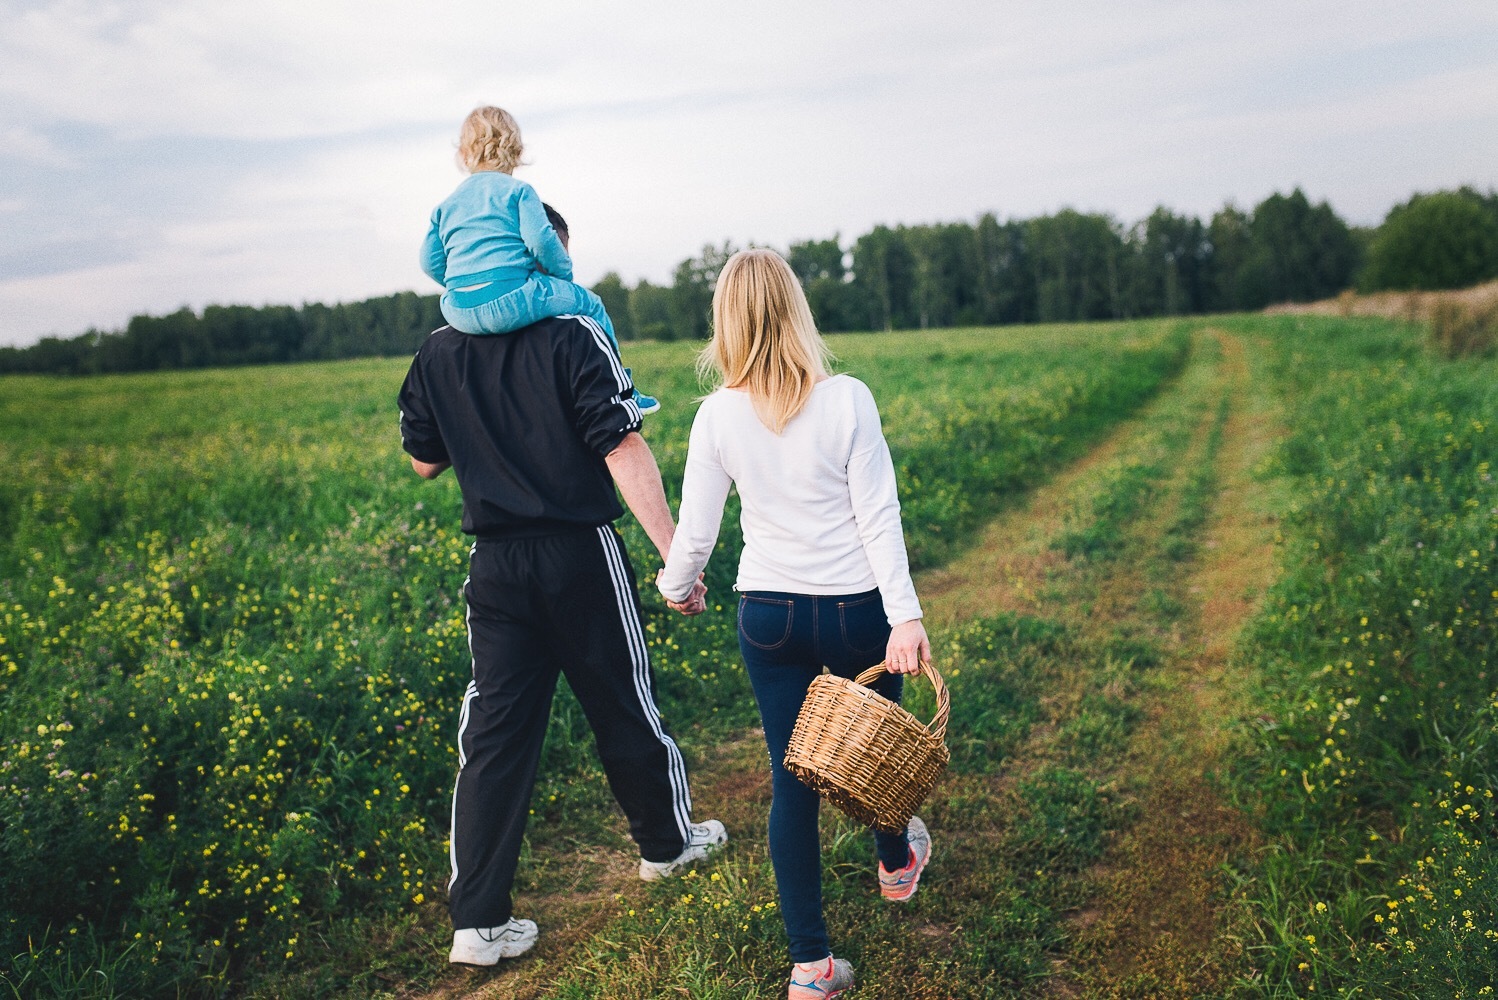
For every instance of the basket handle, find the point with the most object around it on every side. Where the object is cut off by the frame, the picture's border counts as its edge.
(938, 724)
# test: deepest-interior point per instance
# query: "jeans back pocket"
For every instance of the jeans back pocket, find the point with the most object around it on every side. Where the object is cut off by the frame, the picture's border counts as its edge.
(865, 629)
(765, 622)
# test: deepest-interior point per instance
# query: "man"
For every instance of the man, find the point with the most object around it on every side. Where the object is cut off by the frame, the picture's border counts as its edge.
(539, 427)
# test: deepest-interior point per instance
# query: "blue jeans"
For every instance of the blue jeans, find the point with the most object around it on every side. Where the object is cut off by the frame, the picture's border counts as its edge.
(785, 640)
(541, 296)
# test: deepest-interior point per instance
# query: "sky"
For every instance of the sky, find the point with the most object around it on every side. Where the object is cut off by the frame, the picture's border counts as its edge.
(161, 154)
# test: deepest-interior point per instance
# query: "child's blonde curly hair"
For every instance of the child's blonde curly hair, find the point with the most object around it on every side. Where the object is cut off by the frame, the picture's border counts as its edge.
(490, 140)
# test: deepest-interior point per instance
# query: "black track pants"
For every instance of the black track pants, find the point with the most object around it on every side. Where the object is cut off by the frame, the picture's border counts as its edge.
(537, 606)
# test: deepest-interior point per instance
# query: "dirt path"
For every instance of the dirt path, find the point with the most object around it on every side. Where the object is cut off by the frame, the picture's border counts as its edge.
(1155, 925)
(1013, 564)
(1158, 926)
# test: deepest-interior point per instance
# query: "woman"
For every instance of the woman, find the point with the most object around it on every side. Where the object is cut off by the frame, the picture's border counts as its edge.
(824, 577)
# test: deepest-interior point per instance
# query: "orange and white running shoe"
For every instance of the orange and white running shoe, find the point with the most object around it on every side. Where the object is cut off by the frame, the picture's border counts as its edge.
(900, 885)
(822, 980)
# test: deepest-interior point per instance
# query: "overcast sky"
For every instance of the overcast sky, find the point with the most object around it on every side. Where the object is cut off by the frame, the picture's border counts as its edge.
(159, 154)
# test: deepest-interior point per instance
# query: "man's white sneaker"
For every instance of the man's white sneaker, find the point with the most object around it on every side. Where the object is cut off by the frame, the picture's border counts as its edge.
(702, 840)
(487, 945)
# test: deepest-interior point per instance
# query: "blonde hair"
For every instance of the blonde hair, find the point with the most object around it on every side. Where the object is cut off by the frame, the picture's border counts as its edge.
(490, 140)
(764, 337)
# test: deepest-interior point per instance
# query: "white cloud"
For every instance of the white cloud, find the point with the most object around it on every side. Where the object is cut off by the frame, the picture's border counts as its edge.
(290, 151)
(27, 145)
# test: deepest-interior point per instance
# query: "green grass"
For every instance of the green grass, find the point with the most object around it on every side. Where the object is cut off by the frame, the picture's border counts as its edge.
(231, 648)
(231, 652)
(1371, 763)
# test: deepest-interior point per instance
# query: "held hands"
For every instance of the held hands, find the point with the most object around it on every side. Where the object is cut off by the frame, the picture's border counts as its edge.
(908, 648)
(696, 601)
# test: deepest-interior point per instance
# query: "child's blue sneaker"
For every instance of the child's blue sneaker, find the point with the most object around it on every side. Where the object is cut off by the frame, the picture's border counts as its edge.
(647, 404)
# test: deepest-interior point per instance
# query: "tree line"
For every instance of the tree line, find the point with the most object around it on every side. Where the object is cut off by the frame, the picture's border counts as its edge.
(1065, 267)
(238, 335)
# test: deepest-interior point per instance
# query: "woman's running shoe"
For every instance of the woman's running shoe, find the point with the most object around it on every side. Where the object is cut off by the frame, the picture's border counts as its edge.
(820, 980)
(900, 885)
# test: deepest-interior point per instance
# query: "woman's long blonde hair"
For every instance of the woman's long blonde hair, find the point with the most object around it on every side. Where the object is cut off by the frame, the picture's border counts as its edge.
(764, 338)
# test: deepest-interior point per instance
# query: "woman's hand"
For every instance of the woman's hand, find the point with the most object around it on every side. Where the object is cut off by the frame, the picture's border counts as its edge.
(908, 648)
(696, 601)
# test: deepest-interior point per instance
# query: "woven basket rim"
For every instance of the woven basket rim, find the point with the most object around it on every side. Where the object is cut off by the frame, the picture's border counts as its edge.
(937, 727)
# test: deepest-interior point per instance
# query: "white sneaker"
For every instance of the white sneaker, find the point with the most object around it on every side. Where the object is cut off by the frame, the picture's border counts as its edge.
(487, 945)
(702, 840)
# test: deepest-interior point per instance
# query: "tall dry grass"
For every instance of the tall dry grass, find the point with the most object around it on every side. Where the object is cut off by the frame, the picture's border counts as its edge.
(1459, 330)
(1459, 323)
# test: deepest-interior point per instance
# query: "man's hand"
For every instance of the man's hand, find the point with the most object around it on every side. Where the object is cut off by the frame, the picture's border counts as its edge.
(696, 601)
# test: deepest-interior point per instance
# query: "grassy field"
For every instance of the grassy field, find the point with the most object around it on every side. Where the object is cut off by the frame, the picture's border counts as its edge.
(1203, 741)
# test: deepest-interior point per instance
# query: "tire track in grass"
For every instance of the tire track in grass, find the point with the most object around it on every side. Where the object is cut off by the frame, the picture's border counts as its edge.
(1053, 790)
(1013, 561)
(1160, 923)
(1169, 582)
(1113, 596)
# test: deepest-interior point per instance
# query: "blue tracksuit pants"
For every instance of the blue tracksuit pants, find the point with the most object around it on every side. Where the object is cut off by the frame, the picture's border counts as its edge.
(541, 296)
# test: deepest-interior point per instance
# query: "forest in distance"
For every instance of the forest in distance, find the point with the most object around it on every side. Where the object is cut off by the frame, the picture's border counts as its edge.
(1064, 267)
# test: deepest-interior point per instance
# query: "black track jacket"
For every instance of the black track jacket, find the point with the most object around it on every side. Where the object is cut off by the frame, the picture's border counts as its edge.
(526, 419)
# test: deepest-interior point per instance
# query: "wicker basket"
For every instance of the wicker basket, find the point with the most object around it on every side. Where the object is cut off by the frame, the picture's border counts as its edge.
(868, 756)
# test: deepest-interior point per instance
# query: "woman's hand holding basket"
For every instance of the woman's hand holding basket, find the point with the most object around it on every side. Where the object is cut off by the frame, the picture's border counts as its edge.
(908, 648)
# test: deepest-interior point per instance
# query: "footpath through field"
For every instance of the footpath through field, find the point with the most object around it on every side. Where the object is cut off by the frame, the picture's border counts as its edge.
(1086, 637)
(1156, 548)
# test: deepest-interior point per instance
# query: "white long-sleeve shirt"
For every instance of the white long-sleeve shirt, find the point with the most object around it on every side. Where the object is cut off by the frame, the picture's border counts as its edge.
(820, 511)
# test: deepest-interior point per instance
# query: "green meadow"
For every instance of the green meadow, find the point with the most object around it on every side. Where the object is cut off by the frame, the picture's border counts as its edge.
(232, 653)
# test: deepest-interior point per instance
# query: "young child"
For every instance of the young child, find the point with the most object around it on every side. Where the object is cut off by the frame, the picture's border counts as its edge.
(500, 261)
